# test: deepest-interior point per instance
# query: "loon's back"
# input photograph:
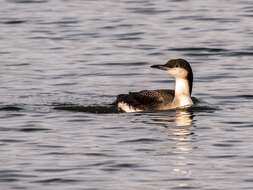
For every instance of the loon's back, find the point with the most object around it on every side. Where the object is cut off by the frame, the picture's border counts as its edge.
(145, 100)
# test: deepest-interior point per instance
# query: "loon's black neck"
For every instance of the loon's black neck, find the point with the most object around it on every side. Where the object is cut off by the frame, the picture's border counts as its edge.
(190, 79)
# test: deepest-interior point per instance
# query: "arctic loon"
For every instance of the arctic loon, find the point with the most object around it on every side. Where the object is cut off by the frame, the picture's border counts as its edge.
(162, 99)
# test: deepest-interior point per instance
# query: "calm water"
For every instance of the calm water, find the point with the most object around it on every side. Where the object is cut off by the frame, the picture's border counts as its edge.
(76, 53)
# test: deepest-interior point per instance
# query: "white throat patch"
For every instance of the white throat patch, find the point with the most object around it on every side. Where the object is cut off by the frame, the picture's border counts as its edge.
(178, 72)
(182, 93)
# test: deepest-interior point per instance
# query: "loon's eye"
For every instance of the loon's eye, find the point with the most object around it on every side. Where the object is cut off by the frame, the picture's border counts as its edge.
(176, 65)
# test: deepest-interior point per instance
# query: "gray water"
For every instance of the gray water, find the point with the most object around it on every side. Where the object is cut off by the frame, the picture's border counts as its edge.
(59, 56)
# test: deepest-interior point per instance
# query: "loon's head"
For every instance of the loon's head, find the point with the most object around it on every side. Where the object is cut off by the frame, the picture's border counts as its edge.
(178, 68)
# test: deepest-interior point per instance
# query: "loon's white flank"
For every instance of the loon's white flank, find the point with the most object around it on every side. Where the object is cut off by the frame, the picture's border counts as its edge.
(127, 108)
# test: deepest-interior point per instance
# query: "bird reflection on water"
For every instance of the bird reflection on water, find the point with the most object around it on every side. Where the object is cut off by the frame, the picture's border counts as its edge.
(181, 137)
(179, 128)
(183, 117)
(182, 134)
(179, 125)
(179, 117)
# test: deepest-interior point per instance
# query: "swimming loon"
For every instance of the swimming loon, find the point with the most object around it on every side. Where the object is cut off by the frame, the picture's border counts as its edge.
(162, 99)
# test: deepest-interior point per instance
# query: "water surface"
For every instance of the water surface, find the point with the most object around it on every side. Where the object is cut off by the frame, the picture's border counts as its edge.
(82, 53)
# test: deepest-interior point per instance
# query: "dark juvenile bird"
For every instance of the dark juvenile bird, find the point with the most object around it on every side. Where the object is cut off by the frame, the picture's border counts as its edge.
(162, 99)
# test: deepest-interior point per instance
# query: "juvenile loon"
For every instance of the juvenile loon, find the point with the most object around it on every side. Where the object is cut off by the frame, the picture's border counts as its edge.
(162, 99)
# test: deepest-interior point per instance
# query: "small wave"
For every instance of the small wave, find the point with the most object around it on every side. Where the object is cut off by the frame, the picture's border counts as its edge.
(204, 51)
(203, 108)
(147, 11)
(246, 96)
(142, 140)
(241, 96)
(140, 63)
(56, 180)
(125, 165)
(223, 156)
(240, 53)
(10, 108)
(32, 129)
(199, 49)
(88, 109)
(29, 1)
(129, 38)
(13, 22)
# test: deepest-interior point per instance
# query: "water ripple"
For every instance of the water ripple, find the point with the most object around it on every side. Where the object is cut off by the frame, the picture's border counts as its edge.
(56, 180)
(62, 62)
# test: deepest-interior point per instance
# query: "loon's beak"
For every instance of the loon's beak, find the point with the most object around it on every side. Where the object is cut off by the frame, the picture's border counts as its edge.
(162, 67)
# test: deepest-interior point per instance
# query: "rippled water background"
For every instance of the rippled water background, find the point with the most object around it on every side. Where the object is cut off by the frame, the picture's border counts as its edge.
(85, 52)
